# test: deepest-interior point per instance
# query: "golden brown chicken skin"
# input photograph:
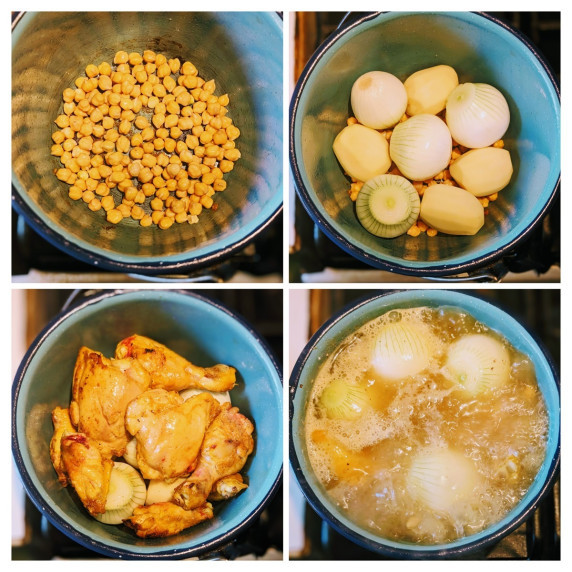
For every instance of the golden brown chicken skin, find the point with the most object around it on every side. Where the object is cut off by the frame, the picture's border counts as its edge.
(165, 519)
(101, 390)
(169, 431)
(87, 470)
(171, 371)
(62, 427)
(227, 444)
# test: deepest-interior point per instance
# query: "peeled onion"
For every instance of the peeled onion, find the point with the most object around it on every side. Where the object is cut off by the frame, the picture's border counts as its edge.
(477, 114)
(402, 350)
(378, 99)
(421, 147)
(442, 479)
(477, 363)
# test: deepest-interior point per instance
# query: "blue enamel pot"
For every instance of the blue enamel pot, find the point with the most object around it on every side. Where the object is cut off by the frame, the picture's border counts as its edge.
(241, 51)
(202, 330)
(339, 327)
(481, 49)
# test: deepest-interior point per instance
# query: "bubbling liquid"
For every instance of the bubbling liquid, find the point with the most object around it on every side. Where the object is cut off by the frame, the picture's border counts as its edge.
(424, 458)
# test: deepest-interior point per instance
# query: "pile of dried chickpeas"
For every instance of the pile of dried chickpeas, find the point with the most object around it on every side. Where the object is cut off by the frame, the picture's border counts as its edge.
(145, 138)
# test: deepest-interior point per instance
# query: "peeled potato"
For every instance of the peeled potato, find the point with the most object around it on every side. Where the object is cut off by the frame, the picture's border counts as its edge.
(452, 210)
(362, 152)
(484, 171)
(428, 89)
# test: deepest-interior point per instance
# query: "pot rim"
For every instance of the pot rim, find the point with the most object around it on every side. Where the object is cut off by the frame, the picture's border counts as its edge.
(412, 551)
(46, 509)
(132, 264)
(340, 239)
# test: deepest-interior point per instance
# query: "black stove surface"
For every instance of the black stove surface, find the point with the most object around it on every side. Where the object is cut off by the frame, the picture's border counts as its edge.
(30, 251)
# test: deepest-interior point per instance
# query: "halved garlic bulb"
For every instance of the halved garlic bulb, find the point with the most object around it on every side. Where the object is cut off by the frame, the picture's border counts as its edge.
(477, 114)
(477, 363)
(402, 349)
(378, 99)
(421, 146)
(442, 479)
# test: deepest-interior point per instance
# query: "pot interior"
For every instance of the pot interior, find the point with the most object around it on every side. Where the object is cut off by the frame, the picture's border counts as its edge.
(242, 52)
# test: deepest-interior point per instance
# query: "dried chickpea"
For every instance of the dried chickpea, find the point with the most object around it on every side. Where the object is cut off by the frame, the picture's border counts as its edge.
(167, 166)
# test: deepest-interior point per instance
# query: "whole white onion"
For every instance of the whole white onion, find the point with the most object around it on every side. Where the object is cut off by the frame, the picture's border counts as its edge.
(477, 114)
(421, 146)
(378, 99)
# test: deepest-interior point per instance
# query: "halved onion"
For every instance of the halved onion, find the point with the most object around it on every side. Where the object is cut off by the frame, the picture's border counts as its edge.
(402, 350)
(421, 146)
(378, 99)
(344, 400)
(477, 363)
(477, 114)
(441, 479)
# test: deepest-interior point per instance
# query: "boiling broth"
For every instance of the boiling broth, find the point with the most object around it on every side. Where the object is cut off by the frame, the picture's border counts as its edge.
(420, 458)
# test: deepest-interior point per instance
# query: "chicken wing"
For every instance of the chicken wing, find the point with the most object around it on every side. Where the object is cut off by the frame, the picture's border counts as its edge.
(227, 444)
(101, 390)
(62, 427)
(87, 470)
(172, 372)
(169, 431)
(165, 519)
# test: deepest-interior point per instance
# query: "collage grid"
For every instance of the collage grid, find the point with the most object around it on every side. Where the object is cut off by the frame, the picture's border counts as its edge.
(268, 269)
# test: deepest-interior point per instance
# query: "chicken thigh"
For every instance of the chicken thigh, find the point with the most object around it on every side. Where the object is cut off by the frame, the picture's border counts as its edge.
(172, 372)
(88, 472)
(169, 431)
(101, 390)
(227, 444)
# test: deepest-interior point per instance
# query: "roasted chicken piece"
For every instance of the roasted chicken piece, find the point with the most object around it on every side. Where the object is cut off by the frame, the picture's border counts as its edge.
(227, 487)
(88, 471)
(62, 427)
(169, 431)
(172, 372)
(101, 390)
(165, 519)
(227, 444)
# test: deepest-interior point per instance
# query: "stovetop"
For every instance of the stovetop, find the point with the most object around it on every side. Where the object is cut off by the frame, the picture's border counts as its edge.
(34, 259)
(315, 258)
(536, 539)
